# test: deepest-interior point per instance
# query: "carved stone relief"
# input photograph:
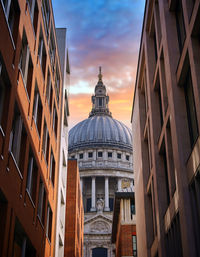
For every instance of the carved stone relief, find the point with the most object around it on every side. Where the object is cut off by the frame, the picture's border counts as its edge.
(99, 226)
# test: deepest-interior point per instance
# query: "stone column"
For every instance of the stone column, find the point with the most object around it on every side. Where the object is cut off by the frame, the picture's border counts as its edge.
(131, 184)
(106, 195)
(119, 184)
(81, 185)
(93, 208)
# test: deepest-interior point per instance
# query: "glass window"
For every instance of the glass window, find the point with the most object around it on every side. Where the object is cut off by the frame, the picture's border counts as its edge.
(31, 183)
(159, 102)
(191, 110)
(33, 8)
(100, 154)
(100, 101)
(109, 155)
(22, 246)
(57, 83)
(173, 238)
(111, 203)
(52, 48)
(127, 157)
(46, 14)
(99, 252)
(26, 64)
(45, 142)
(81, 156)
(155, 45)
(119, 156)
(35, 17)
(18, 137)
(12, 12)
(37, 109)
(52, 168)
(49, 92)
(132, 205)
(41, 202)
(4, 96)
(55, 120)
(194, 193)
(180, 25)
(42, 53)
(88, 205)
(49, 222)
(90, 154)
(134, 246)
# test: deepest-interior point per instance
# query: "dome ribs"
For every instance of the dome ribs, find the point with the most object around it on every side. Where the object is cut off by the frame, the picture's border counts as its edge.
(100, 131)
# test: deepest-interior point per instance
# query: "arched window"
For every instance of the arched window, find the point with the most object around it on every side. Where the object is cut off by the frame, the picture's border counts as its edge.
(99, 252)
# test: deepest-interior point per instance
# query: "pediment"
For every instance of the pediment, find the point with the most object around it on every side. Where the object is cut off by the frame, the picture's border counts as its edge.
(98, 224)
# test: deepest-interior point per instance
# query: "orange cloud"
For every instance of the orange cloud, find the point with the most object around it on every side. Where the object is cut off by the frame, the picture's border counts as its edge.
(80, 106)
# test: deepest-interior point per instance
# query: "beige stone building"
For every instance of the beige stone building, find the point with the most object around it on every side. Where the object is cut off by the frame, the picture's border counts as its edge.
(166, 121)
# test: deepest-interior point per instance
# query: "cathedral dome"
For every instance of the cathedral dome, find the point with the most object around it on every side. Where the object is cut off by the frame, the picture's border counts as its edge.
(102, 147)
(100, 131)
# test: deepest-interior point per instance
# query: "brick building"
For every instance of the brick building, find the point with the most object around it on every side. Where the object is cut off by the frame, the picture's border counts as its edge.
(74, 218)
(30, 113)
(124, 225)
(166, 122)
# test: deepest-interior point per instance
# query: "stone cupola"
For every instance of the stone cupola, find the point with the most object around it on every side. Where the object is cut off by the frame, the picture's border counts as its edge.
(100, 99)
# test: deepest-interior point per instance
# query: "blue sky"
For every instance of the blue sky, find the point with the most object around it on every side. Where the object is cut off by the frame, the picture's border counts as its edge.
(101, 33)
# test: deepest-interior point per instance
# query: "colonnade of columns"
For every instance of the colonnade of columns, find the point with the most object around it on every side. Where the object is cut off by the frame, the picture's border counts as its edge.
(106, 199)
(93, 192)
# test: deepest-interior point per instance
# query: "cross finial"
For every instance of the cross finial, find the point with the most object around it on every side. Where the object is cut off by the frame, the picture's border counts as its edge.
(100, 75)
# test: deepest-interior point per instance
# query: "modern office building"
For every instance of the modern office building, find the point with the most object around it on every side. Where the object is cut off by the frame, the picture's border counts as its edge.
(166, 122)
(74, 223)
(103, 148)
(124, 224)
(62, 174)
(31, 95)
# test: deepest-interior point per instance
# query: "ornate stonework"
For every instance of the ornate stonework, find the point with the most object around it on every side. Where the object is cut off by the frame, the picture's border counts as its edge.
(100, 205)
(100, 227)
(103, 148)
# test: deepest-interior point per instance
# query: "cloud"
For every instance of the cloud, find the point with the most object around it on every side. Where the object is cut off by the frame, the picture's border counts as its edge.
(101, 33)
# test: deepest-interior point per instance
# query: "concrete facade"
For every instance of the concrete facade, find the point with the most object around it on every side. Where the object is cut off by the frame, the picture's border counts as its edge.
(166, 121)
(74, 218)
(31, 91)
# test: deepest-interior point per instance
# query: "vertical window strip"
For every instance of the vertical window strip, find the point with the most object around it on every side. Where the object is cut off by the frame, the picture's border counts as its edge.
(191, 110)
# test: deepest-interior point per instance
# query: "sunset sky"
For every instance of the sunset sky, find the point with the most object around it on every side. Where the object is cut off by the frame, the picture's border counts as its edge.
(102, 33)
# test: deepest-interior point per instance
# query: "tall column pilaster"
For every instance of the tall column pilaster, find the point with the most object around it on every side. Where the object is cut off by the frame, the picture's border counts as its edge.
(93, 208)
(106, 194)
(119, 184)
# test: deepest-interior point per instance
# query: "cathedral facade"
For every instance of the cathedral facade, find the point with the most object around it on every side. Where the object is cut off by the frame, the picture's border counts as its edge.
(103, 148)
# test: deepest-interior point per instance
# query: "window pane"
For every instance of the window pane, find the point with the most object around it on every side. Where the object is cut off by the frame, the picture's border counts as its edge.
(191, 110)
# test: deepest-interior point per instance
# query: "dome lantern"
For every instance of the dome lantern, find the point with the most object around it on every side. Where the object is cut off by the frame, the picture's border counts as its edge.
(100, 100)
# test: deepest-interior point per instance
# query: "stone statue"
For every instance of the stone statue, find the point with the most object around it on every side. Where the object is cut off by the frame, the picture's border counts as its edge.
(100, 205)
